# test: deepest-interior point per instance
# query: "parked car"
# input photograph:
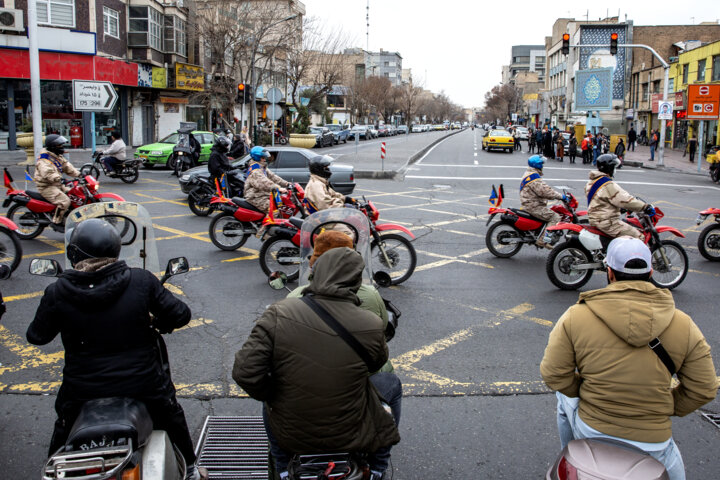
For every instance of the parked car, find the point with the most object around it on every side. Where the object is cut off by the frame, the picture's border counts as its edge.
(498, 140)
(340, 132)
(289, 163)
(323, 136)
(362, 131)
(417, 128)
(383, 131)
(402, 129)
(159, 153)
(392, 130)
(373, 131)
(523, 132)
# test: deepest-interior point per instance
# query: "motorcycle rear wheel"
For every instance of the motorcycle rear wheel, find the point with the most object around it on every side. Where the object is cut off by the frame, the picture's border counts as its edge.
(130, 176)
(280, 255)
(199, 210)
(558, 265)
(400, 252)
(673, 276)
(221, 233)
(27, 222)
(10, 249)
(499, 232)
(707, 242)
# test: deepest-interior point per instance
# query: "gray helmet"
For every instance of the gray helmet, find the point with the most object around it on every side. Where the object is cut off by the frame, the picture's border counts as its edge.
(55, 143)
(607, 162)
(93, 238)
(223, 144)
(320, 166)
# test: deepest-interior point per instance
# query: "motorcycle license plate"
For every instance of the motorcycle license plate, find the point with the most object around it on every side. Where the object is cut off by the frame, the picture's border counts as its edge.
(700, 219)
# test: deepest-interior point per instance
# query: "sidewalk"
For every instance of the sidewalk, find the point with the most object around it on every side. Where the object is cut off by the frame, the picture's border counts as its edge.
(673, 161)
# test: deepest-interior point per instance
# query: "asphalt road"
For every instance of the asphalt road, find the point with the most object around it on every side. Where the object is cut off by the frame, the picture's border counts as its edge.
(472, 333)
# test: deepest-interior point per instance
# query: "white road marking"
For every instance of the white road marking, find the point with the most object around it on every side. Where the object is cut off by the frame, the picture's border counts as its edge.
(522, 166)
(427, 153)
(564, 180)
(476, 162)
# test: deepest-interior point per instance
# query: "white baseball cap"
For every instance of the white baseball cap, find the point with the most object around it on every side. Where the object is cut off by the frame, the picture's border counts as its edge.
(624, 249)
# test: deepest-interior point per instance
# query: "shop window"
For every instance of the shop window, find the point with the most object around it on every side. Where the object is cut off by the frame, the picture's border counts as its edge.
(145, 28)
(175, 35)
(111, 22)
(58, 13)
(716, 68)
(701, 70)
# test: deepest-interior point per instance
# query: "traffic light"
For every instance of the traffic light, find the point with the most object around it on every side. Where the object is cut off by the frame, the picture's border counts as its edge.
(241, 93)
(613, 43)
(566, 43)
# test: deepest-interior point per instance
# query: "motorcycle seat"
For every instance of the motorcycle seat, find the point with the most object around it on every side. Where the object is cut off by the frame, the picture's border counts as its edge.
(296, 221)
(35, 195)
(241, 202)
(524, 214)
(105, 422)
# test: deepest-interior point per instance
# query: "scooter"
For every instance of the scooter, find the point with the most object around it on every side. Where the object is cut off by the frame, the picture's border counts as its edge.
(113, 438)
(183, 156)
(10, 248)
(203, 191)
(713, 157)
(709, 239)
(128, 171)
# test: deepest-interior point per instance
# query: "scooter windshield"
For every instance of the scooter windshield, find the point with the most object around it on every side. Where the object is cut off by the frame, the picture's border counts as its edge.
(347, 219)
(133, 223)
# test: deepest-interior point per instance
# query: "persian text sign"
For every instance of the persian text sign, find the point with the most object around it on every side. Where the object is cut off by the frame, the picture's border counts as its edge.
(90, 96)
(593, 89)
(189, 77)
(703, 102)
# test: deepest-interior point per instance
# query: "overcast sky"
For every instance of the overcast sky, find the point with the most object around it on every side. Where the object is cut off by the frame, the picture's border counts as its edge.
(459, 46)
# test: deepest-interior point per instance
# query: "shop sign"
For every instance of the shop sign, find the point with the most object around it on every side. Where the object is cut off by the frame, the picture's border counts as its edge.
(630, 113)
(189, 77)
(679, 101)
(144, 75)
(173, 100)
(656, 99)
(159, 77)
(703, 102)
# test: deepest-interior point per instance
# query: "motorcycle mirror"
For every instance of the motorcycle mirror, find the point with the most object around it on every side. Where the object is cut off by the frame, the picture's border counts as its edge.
(176, 266)
(45, 267)
(278, 280)
(382, 279)
(4, 272)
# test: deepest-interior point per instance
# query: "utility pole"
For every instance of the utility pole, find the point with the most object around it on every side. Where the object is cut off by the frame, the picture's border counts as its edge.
(35, 99)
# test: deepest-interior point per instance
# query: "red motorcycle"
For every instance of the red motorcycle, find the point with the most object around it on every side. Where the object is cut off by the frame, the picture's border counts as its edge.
(10, 248)
(33, 213)
(238, 219)
(572, 262)
(516, 227)
(709, 239)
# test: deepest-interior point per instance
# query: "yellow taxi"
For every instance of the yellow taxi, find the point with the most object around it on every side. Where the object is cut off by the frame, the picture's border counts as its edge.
(498, 139)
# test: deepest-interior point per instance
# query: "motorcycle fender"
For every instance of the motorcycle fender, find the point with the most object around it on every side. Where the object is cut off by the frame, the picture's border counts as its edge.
(38, 206)
(112, 196)
(566, 226)
(245, 215)
(6, 222)
(672, 230)
(581, 213)
(382, 227)
(711, 211)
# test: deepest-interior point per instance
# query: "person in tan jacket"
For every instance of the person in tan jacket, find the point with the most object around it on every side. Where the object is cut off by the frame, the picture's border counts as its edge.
(49, 168)
(260, 181)
(534, 196)
(319, 195)
(605, 199)
(608, 380)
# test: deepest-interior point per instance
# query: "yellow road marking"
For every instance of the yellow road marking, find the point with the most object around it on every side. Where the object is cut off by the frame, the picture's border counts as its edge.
(197, 322)
(24, 296)
(31, 356)
(182, 204)
(439, 263)
(195, 236)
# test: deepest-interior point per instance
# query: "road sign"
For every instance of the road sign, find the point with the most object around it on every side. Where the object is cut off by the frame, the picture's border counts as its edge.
(274, 112)
(382, 150)
(703, 102)
(92, 96)
(274, 95)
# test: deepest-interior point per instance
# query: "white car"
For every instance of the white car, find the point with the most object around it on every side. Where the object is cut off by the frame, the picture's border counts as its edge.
(523, 132)
(417, 128)
(373, 131)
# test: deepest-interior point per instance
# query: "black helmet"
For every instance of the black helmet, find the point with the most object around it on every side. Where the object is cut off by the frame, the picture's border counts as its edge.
(93, 238)
(607, 162)
(54, 143)
(320, 166)
(223, 144)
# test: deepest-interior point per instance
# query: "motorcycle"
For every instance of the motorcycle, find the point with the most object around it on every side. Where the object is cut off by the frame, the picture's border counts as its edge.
(713, 158)
(203, 190)
(183, 156)
(128, 171)
(32, 213)
(280, 138)
(10, 248)
(516, 227)
(605, 459)
(114, 437)
(572, 262)
(238, 219)
(709, 239)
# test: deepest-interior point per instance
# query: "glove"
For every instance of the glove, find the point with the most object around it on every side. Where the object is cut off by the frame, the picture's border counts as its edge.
(565, 198)
(649, 210)
(350, 200)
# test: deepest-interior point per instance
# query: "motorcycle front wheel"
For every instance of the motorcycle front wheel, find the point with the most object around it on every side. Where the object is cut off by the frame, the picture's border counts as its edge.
(709, 242)
(198, 209)
(10, 249)
(669, 275)
(401, 257)
(559, 265)
(26, 220)
(130, 175)
(715, 175)
(172, 162)
(280, 255)
(90, 169)
(503, 240)
(228, 233)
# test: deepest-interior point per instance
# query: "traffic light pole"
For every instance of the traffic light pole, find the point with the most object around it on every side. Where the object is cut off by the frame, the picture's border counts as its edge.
(661, 147)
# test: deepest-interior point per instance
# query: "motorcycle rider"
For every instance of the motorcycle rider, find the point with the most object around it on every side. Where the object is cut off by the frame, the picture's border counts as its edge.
(219, 165)
(101, 308)
(534, 195)
(605, 199)
(319, 195)
(261, 182)
(318, 392)
(49, 168)
(115, 154)
(611, 359)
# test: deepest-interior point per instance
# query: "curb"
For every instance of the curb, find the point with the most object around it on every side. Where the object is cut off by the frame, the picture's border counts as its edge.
(376, 174)
(418, 155)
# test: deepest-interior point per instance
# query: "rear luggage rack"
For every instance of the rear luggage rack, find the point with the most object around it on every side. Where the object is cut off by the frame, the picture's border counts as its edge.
(234, 448)
(103, 463)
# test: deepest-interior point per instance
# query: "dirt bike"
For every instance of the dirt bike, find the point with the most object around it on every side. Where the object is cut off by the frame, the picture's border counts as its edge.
(10, 248)
(238, 219)
(517, 227)
(32, 213)
(280, 138)
(709, 239)
(128, 170)
(572, 262)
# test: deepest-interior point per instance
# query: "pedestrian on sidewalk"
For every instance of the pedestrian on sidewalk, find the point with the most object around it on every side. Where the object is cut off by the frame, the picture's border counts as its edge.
(585, 147)
(653, 144)
(560, 146)
(548, 146)
(516, 137)
(620, 150)
(539, 141)
(572, 147)
(632, 138)
(643, 137)
(531, 141)
(692, 148)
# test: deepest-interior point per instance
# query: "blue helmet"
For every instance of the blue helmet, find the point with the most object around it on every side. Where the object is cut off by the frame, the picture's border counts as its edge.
(536, 161)
(258, 153)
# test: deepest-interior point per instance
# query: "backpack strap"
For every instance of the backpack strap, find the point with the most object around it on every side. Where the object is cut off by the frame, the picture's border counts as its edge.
(660, 351)
(596, 186)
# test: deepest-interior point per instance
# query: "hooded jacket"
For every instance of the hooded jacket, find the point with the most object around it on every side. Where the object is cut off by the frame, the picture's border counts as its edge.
(317, 389)
(624, 388)
(259, 185)
(103, 318)
(321, 195)
(49, 169)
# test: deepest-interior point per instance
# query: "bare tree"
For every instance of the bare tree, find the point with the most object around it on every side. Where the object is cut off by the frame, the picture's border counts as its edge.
(409, 100)
(503, 100)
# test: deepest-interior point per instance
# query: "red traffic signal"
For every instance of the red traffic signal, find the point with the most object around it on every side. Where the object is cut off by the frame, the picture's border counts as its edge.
(241, 87)
(566, 43)
(613, 43)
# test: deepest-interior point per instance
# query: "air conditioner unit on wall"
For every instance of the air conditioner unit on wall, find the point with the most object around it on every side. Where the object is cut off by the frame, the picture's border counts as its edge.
(11, 19)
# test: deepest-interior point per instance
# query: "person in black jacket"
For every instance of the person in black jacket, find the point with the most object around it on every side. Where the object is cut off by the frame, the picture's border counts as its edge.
(238, 148)
(101, 309)
(218, 164)
(196, 149)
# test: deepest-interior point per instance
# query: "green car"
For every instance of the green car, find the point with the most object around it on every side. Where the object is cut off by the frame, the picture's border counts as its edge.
(159, 153)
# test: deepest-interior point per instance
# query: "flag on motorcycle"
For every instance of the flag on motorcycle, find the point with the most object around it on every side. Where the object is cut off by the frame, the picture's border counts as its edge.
(496, 196)
(8, 180)
(275, 203)
(28, 178)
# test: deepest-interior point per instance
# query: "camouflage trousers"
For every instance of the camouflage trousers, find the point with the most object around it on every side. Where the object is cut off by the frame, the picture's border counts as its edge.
(543, 213)
(56, 196)
(617, 228)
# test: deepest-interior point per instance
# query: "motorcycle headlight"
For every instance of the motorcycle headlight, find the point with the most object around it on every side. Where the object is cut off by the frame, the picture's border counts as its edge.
(185, 178)
(156, 152)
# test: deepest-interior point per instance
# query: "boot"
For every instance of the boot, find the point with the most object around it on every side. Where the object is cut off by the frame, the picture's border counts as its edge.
(196, 473)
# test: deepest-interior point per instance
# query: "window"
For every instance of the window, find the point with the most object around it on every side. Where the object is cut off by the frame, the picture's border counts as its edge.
(645, 91)
(685, 73)
(701, 70)
(111, 22)
(715, 68)
(145, 28)
(59, 13)
(176, 37)
(292, 160)
(656, 86)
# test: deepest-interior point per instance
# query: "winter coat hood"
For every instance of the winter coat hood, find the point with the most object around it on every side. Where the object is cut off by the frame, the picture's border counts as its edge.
(595, 174)
(338, 273)
(88, 290)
